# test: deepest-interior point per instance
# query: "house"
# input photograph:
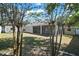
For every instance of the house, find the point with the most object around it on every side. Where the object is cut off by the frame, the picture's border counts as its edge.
(38, 28)
(35, 27)
(72, 31)
(43, 29)
(0, 29)
(6, 29)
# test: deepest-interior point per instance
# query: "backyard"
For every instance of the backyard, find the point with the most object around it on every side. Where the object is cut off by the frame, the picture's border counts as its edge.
(37, 45)
(45, 29)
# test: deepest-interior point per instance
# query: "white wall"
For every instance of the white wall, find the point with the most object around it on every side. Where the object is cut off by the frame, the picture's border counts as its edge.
(28, 28)
(69, 32)
(0, 29)
(73, 31)
(8, 29)
(77, 31)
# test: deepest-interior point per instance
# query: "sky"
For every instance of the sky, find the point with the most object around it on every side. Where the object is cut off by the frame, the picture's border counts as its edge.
(40, 8)
(37, 7)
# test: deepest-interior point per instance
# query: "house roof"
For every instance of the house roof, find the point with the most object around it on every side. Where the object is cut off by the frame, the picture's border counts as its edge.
(37, 24)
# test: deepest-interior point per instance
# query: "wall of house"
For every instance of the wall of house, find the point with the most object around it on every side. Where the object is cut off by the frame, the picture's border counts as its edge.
(77, 31)
(40, 29)
(9, 29)
(28, 28)
(73, 31)
(0, 29)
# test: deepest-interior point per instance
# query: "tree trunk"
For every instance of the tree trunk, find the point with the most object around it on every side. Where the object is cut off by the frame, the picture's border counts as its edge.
(19, 41)
(14, 40)
(20, 49)
(52, 40)
(61, 33)
(3, 28)
(18, 38)
(56, 35)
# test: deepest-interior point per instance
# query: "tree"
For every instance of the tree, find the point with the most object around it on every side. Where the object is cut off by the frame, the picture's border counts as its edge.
(21, 10)
(73, 18)
(50, 8)
(15, 13)
(58, 17)
(2, 17)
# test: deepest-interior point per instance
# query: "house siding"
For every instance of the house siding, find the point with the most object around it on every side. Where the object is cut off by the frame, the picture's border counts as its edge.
(9, 29)
(0, 29)
(28, 28)
(73, 31)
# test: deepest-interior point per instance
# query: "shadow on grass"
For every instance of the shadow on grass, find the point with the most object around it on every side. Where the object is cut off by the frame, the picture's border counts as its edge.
(73, 46)
(6, 43)
(35, 46)
(32, 46)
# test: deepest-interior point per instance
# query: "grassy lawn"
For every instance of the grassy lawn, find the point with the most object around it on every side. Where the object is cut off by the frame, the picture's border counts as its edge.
(32, 44)
(73, 46)
(39, 45)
